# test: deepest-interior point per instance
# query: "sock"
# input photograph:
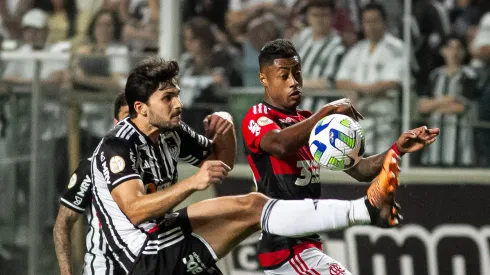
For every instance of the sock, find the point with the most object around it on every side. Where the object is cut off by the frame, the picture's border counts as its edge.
(298, 218)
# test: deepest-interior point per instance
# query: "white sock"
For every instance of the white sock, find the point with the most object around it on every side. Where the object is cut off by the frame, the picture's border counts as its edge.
(297, 218)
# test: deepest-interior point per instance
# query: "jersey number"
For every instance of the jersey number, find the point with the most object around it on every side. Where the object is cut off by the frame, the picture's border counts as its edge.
(309, 172)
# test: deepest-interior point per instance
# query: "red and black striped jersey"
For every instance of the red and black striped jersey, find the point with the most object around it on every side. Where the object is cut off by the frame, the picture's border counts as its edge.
(296, 177)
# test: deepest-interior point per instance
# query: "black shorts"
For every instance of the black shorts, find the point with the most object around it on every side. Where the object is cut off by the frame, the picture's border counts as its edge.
(172, 249)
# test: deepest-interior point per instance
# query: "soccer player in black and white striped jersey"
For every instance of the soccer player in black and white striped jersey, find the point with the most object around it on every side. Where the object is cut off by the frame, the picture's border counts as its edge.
(77, 200)
(139, 157)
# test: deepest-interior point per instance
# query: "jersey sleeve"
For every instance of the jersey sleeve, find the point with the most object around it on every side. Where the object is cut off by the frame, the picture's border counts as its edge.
(117, 161)
(194, 148)
(78, 194)
(255, 125)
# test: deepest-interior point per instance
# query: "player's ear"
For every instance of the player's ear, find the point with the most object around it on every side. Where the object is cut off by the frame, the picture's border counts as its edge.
(263, 79)
(140, 108)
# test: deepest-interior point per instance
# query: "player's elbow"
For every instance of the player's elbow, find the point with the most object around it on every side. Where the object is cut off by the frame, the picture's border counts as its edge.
(281, 151)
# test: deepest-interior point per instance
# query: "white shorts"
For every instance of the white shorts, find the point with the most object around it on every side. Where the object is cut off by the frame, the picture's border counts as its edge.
(311, 261)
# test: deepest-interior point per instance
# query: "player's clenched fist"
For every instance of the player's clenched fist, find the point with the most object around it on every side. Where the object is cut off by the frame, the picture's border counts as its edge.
(217, 124)
(344, 106)
(211, 172)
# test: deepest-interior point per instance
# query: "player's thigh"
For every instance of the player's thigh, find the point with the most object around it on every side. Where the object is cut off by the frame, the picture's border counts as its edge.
(226, 221)
(311, 261)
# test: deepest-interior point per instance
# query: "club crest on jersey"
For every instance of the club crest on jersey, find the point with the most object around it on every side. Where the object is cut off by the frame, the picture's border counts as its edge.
(73, 180)
(116, 164)
(262, 121)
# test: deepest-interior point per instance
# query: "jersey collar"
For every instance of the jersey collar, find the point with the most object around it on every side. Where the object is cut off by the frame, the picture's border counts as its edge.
(287, 112)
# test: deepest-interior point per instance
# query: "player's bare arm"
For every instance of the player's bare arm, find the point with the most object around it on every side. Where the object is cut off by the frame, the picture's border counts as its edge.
(280, 143)
(220, 129)
(62, 242)
(140, 207)
(411, 141)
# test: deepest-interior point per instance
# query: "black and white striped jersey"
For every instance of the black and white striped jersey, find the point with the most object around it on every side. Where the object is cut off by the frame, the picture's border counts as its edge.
(319, 58)
(456, 141)
(78, 197)
(125, 153)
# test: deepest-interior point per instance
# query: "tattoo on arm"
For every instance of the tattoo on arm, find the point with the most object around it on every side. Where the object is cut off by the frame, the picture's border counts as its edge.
(368, 168)
(62, 239)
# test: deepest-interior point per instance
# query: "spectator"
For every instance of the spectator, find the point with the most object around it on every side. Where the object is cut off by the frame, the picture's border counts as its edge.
(62, 20)
(260, 27)
(102, 63)
(319, 46)
(480, 50)
(205, 69)
(35, 32)
(372, 68)
(451, 106)
(430, 26)
(213, 11)
(140, 30)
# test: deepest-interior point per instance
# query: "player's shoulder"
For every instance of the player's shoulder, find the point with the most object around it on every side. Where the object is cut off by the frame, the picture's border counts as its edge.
(259, 110)
(124, 132)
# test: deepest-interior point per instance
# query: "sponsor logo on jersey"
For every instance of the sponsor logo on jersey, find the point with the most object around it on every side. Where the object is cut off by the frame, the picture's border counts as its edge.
(73, 180)
(262, 121)
(117, 164)
(193, 264)
(84, 188)
(254, 128)
(335, 269)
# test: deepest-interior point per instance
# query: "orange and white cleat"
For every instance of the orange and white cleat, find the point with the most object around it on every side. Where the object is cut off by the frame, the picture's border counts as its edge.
(380, 200)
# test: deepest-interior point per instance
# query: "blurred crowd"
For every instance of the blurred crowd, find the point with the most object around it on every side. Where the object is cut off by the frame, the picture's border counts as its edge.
(344, 45)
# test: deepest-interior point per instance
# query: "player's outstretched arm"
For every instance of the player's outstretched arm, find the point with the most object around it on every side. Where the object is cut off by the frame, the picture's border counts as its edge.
(61, 234)
(281, 143)
(138, 207)
(411, 141)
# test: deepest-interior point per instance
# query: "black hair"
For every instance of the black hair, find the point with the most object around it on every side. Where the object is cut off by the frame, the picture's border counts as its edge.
(146, 77)
(115, 20)
(374, 6)
(321, 4)
(118, 104)
(279, 48)
(453, 36)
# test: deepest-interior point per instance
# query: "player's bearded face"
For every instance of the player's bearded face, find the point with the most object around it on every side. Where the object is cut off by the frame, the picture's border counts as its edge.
(165, 108)
(284, 81)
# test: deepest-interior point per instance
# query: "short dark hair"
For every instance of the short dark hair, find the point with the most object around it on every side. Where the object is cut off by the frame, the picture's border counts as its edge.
(115, 20)
(453, 36)
(146, 77)
(118, 104)
(202, 29)
(279, 48)
(374, 6)
(321, 4)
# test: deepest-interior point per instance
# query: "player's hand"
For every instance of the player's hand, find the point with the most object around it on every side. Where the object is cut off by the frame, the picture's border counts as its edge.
(344, 106)
(217, 124)
(211, 172)
(416, 139)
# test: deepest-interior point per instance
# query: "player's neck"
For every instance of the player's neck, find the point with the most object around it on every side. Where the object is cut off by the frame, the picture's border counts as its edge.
(147, 129)
(278, 107)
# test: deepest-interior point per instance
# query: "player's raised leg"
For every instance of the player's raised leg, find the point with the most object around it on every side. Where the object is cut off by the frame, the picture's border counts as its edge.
(226, 221)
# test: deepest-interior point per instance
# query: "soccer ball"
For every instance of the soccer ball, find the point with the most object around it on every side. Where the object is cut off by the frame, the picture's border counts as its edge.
(337, 142)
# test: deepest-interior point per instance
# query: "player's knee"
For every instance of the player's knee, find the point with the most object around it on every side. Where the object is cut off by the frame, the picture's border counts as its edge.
(253, 203)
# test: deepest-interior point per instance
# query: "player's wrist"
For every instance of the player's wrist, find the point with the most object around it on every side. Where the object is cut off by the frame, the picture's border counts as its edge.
(397, 150)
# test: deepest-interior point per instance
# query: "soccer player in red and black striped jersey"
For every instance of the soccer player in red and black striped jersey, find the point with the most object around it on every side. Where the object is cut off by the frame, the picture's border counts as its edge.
(276, 136)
